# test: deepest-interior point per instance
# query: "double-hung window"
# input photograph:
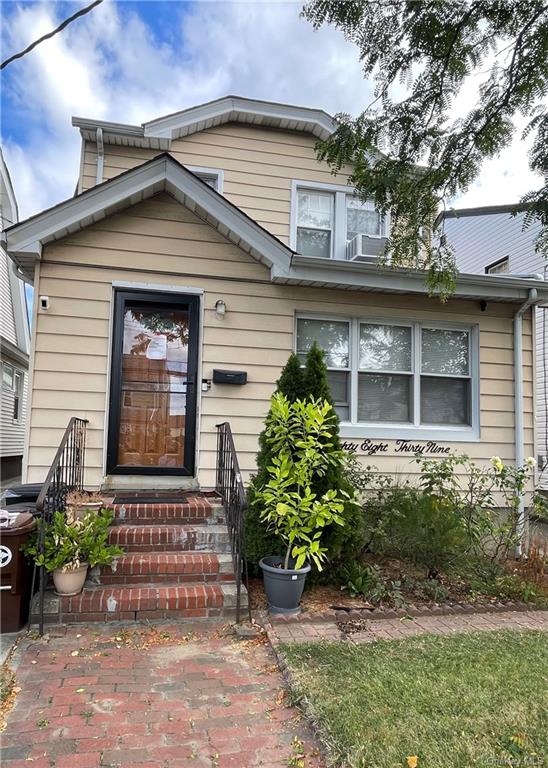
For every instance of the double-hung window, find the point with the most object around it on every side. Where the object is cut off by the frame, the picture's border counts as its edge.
(326, 218)
(315, 222)
(400, 378)
(18, 396)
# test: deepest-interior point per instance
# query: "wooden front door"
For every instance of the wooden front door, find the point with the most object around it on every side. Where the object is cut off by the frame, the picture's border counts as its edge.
(152, 413)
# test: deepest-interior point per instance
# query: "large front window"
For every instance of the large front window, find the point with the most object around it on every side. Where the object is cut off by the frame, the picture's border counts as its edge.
(411, 374)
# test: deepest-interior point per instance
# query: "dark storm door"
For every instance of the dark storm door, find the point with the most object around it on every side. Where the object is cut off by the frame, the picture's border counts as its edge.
(152, 409)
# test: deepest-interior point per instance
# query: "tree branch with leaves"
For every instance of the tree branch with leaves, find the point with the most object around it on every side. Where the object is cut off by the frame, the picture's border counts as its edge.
(409, 152)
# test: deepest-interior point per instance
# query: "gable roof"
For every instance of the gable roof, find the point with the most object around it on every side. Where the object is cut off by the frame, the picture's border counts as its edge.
(24, 241)
(159, 133)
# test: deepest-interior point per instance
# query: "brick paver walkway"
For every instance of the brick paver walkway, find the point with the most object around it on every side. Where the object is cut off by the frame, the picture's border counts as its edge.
(367, 631)
(151, 697)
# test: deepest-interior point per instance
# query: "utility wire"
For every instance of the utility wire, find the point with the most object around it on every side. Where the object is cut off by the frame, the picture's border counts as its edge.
(61, 26)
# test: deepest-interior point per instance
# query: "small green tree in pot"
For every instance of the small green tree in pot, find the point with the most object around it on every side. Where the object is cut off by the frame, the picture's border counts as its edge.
(299, 436)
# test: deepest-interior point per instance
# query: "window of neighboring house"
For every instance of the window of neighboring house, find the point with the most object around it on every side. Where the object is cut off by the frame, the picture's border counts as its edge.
(502, 265)
(211, 176)
(326, 218)
(8, 373)
(18, 396)
(410, 374)
(315, 222)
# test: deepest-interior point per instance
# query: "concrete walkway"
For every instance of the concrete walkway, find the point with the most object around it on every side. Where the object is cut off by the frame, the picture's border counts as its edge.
(159, 696)
(367, 631)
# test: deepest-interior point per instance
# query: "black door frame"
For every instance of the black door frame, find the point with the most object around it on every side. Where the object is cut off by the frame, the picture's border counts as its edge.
(154, 298)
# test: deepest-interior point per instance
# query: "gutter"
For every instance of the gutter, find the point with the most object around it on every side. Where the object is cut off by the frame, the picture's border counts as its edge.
(100, 156)
(531, 301)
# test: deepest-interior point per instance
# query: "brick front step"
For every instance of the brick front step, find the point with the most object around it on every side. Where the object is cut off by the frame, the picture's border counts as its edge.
(171, 538)
(150, 601)
(163, 567)
(197, 510)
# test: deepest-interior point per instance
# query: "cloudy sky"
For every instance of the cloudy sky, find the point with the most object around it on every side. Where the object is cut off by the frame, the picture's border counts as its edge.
(134, 61)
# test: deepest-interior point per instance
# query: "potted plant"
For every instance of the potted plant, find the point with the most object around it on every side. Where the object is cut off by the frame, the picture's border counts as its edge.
(79, 502)
(71, 545)
(300, 435)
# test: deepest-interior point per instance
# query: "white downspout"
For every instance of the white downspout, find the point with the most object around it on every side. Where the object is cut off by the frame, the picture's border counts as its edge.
(100, 156)
(518, 405)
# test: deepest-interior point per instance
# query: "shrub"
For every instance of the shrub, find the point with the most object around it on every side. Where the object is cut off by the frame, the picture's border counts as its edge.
(344, 543)
(367, 581)
(299, 435)
(70, 542)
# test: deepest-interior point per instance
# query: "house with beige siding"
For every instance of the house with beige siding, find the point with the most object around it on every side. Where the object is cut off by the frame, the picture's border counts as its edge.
(200, 249)
(14, 345)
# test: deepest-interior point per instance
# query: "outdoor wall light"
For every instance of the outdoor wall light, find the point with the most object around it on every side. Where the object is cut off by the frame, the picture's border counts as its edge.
(220, 308)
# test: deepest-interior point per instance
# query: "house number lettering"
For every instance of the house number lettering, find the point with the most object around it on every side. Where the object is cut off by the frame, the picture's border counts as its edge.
(370, 448)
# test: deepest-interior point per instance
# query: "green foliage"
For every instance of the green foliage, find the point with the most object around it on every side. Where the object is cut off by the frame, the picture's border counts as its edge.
(70, 542)
(414, 153)
(367, 581)
(341, 542)
(259, 539)
(299, 436)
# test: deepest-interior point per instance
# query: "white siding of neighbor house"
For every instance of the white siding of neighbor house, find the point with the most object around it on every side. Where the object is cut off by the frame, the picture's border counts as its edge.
(480, 240)
(7, 318)
(159, 241)
(12, 433)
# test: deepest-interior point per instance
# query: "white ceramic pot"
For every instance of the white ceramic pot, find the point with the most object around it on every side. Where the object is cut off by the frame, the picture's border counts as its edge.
(70, 582)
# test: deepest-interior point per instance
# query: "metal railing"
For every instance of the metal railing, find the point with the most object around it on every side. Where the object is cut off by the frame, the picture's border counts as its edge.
(65, 474)
(231, 489)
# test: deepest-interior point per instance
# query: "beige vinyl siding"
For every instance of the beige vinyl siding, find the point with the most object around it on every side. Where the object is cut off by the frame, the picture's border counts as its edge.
(258, 165)
(161, 242)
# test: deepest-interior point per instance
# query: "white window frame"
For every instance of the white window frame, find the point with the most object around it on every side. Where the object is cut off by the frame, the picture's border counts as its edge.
(5, 385)
(330, 229)
(412, 429)
(384, 222)
(209, 173)
(340, 192)
(18, 394)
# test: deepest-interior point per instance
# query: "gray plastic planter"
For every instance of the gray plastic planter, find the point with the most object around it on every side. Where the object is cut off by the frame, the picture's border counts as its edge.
(283, 587)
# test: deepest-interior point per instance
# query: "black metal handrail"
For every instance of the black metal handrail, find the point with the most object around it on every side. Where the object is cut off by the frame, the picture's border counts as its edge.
(231, 489)
(65, 474)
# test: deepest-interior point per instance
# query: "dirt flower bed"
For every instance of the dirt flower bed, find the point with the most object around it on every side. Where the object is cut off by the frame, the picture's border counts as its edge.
(471, 582)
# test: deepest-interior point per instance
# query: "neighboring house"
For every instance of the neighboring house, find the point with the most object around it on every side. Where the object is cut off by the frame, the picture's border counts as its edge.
(213, 240)
(14, 345)
(491, 240)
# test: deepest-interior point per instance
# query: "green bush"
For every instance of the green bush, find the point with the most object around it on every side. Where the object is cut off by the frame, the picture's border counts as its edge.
(407, 523)
(343, 543)
(367, 581)
(300, 436)
(69, 542)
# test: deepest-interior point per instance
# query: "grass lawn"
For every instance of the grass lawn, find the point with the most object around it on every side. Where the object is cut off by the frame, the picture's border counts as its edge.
(452, 701)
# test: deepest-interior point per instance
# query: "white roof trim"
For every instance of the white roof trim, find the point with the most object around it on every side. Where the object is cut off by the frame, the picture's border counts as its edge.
(161, 131)
(333, 273)
(25, 240)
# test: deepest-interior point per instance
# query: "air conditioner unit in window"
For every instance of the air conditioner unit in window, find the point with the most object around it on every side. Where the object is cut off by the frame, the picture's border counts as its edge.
(365, 248)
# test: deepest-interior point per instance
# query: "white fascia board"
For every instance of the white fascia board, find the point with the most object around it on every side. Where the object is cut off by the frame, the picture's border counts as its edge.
(162, 173)
(361, 276)
(317, 122)
(28, 236)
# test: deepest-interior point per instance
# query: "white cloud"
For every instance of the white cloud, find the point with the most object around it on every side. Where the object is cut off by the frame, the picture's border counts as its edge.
(109, 65)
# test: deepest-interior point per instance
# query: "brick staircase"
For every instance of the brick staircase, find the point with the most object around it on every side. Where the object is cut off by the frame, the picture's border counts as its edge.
(176, 564)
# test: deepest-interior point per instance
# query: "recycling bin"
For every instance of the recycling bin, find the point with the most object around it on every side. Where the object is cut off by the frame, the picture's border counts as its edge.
(15, 570)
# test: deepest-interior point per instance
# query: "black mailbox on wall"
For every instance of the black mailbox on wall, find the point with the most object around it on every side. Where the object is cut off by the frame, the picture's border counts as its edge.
(229, 377)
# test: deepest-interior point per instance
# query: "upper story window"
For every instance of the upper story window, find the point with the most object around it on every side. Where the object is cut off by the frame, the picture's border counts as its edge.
(402, 379)
(8, 373)
(315, 222)
(498, 267)
(331, 222)
(213, 177)
(18, 396)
